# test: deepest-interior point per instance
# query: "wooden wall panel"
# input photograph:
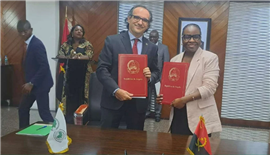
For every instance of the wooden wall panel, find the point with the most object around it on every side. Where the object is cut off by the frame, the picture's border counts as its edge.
(218, 12)
(11, 44)
(99, 19)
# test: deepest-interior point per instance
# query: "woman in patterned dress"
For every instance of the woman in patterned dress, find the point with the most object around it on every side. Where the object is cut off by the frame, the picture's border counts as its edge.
(79, 53)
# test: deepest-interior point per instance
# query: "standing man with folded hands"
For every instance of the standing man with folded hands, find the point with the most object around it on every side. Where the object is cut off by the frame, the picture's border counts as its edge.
(116, 102)
(163, 56)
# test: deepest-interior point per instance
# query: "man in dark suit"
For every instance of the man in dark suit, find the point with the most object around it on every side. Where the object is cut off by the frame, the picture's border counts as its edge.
(116, 102)
(202, 45)
(163, 56)
(37, 76)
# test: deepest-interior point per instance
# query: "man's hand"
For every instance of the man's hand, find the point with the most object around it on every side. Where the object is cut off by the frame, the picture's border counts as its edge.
(147, 73)
(26, 88)
(159, 98)
(123, 95)
(179, 103)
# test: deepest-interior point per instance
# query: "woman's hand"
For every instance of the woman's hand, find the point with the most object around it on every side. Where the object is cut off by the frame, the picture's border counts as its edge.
(76, 57)
(159, 98)
(179, 103)
(81, 57)
(61, 56)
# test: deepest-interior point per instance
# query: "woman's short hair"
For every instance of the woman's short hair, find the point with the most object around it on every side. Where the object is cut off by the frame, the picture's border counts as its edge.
(192, 24)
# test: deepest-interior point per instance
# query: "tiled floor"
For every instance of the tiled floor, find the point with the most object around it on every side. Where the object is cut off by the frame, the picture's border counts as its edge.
(10, 123)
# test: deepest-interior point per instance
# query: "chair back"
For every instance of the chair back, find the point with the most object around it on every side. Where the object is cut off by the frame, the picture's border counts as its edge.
(95, 91)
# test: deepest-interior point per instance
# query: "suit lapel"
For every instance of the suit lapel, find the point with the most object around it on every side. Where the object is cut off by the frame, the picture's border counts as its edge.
(144, 45)
(126, 42)
(159, 48)
(194, 64)
(28, 47)
(30, 44)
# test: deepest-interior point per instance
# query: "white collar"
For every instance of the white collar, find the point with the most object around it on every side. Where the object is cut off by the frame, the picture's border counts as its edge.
(29, 39)
(132, 37)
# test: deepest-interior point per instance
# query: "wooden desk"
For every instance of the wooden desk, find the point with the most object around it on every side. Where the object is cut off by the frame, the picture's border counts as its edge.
(90, 140)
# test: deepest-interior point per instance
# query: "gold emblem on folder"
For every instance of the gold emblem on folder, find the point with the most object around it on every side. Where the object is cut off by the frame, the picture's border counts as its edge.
(174, 74)
(133, 67)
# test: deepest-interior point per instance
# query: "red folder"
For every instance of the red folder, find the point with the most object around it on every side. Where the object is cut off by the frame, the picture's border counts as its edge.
(130, 74)
(173, 81)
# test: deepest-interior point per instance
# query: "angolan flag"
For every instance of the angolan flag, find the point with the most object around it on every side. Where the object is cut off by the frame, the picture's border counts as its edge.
(60, 81)
(200, 144)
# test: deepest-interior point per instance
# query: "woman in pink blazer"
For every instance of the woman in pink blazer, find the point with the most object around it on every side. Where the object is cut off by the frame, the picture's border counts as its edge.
(201, 86)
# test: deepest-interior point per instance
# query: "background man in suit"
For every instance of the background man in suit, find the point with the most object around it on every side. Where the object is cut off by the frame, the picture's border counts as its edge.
(37, 76)
(163, 56)
(202, 45)
(116, 102)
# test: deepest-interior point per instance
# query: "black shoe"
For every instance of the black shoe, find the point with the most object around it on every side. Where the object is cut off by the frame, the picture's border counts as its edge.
(148, 114)
(157, 119)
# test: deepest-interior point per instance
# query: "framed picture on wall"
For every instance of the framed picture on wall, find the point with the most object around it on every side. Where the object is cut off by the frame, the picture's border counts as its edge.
(205, 26)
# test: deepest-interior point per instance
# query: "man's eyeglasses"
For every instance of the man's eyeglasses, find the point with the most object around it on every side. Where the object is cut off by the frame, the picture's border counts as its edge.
(196, 37)
(138, 18)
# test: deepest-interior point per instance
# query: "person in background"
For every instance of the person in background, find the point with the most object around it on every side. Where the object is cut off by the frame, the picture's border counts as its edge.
(201, 86)
(37, 76)
(76, 88)
(116, 102)
(163, 56)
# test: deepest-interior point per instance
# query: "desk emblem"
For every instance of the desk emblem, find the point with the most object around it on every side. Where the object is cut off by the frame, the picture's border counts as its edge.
(59, 135)
(133, 67)
(174, 74)
(55, 124)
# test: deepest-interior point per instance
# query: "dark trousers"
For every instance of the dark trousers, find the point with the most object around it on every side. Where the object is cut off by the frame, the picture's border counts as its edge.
(112, 118)
(152, 102)
(180, 122)
(43, 108)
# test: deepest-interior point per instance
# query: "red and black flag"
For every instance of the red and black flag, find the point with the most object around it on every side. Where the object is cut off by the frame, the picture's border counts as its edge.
(60, 81)
(65, 30)
(200, 142)
(60, 78)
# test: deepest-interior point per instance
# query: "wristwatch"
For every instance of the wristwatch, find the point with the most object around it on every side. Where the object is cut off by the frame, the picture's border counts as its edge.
(31, 83)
